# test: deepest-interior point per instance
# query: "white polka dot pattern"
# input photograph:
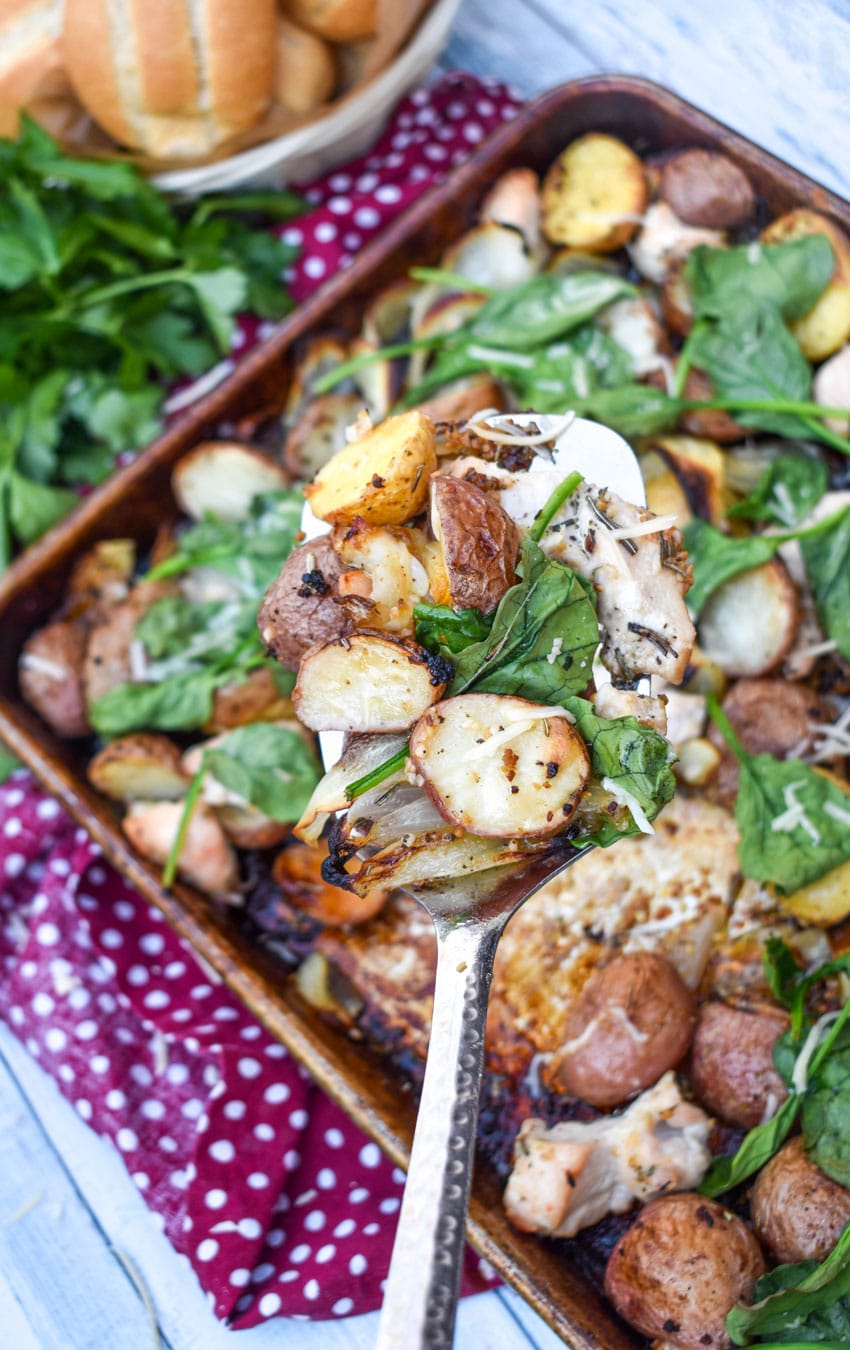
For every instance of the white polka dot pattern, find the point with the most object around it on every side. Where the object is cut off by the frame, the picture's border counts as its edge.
(256, 1177)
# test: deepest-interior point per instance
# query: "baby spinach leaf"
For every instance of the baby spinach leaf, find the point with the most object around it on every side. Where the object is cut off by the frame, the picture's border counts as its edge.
(826, 1113)
(794, 823)
(635, 757)
(786, 491)
(447, 631)
(542, 639)
(805, 1303)
(757, 1148)
(717, 558)
(781, 970)
(543, 308)
(181, 703)
(788, 277)
(634, 410)
(826, 556)
(271, 767)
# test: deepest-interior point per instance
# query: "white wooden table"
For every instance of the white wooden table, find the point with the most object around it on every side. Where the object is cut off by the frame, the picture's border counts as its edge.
(70, 1218)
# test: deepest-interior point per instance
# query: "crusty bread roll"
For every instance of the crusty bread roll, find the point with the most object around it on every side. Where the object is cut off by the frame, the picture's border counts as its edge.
(336, 20)
(174, 78)
(31, 67)
(305, 75)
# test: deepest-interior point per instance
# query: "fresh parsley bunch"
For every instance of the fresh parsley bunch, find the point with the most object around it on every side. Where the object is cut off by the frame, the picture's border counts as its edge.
(109, 293)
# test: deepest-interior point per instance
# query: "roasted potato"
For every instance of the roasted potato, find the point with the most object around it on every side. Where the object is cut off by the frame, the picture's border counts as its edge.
(367, 682)
(142, 767)
(748, 625)
(302, 606)
(50, 674)
(500, 766)
(707, 188)
(319, 432)
(679, 1269)
(478, 540)
(771, 717)
(100, 579)
(222, 478)
(256, 698)
(298, 872)
(798, 1212)
(831, 388)
(246, 827)
(383, 476)
(634, 326)
(698, 465)
(826, 327)
(514, 200)
(732, 1069)
(206, 859)
(594, 194)
(712, 424)
(108, 656)
(491, 254)
(631, 1022)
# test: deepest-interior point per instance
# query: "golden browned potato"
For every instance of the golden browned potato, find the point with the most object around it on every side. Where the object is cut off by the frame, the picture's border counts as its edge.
(712, 424)
(500, 766)
(632, 1021)
(298, 872)
(222, 478)
(50, 673)
(246, 827)
(798, 1212)
(382, 476)
(479, 543)
(826, 327)
(732, 1069)
(750, 622)
(679, 1269)
(367, 682)
(301, 607)
(142, 767)
(698, 465)
(594, 194)
(707, 188)
(256, 698)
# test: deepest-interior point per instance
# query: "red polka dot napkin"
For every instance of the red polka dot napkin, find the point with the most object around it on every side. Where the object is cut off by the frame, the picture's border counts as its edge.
(280, 1203)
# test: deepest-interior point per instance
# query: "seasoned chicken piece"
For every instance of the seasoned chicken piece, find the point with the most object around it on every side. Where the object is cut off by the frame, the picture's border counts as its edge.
(641, 577)
(572, 1175)
(613, 702)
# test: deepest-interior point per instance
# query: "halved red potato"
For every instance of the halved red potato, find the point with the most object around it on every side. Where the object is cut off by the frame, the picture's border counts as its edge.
(594, 194)
(143, 767)
(500, 766)
(382, 476)
(319, 432)
(223, 478)
(748, 625)
(100, 578)
(367, 682)
(478, 540)
(50, 673)
(301, 607)
(707, 188)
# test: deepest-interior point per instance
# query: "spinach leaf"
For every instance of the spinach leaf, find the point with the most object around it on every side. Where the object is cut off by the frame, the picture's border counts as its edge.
(543, 636)
(826, 1111)
(786, 491)
(251, 551)
(271, 767)
(781, 970)
(8, 763)
(805, 1303)
(757, 1148)
(788, 277)
(717, 558)
(826, 556)
(537, 311)
(634, 758)
(634, 410)
(181, 703)
(448, 631)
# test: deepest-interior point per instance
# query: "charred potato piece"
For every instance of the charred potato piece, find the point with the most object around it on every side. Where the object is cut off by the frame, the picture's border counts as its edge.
(500, 766)
(50, 673)
(319, 432)
(206, 859)
(594, 194)
(713, 424)
(679, 1269)
(479, 543)
(732, 1067)
(107, 659)
(143, 767)
(302, 606)
(698, 465)
(631, 1022)
(798, 1211)
(298, 872)
(826, 327)
(367, 682)
(222, 478)
(748, 625)
(383, 476)
(707, 188)
(256, 698)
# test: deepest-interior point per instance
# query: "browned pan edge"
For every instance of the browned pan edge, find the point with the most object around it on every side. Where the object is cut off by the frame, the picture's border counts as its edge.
(138, 497)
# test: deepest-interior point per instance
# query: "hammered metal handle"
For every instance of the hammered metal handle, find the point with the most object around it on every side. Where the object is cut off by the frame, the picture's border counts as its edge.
(422, 1287)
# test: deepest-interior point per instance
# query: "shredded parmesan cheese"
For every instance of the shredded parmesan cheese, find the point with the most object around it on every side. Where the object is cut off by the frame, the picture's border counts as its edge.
(810, 1045)
(837, 813)
(40, 664)
(626, 798)
(794, 816)
(487, 426)
(656, 525)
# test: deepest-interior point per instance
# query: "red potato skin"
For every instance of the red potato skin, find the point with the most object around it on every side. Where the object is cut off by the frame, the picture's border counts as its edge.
(301, 608)
(613, 1065)
(681, 1266)
(732, 1069)
(798, 1211)
(771, 717)
(60, 701)
(707, 189)
(480, 543)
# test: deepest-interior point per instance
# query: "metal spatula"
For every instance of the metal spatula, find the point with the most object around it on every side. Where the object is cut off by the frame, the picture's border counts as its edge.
(469, 915)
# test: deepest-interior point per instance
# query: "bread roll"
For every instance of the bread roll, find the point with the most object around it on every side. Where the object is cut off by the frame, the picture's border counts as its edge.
(305, 75)
(336, 20)
(31, 67)
(174, 78)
